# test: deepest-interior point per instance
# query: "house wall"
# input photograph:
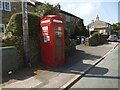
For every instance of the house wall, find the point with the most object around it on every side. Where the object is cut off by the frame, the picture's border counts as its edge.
(15, 8)
(103, 31)
(106, 30)
(70, 22)
(102, 27)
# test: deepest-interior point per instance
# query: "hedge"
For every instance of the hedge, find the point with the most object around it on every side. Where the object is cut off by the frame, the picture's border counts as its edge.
(96, 39)
(15, 27)
(69, 45)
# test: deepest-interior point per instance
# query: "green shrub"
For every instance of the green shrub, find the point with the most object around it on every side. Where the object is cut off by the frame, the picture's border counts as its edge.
(47, 9)
(69, 46)
(80, 29)
(96, 39)
(7, 40)
(15, 27)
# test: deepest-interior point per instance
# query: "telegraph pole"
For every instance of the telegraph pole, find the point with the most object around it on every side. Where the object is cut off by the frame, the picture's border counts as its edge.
(25, 32)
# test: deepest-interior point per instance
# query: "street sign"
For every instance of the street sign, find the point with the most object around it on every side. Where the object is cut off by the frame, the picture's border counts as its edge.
(91, 28)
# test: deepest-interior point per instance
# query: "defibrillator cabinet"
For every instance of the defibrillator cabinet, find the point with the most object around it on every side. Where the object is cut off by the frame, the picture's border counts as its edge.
(52, 40)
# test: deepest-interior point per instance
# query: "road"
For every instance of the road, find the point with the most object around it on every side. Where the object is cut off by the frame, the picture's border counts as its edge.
(103, 75)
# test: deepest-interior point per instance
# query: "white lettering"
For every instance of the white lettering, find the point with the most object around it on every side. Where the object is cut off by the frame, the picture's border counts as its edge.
(45, 21)
(57, 21)
(45, 28)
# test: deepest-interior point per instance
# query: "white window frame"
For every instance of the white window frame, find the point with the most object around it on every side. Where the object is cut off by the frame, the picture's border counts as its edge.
(1, 5)
(8, 1)
(2, 25)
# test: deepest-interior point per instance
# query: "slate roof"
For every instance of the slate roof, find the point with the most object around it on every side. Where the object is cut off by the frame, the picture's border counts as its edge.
(62, 11)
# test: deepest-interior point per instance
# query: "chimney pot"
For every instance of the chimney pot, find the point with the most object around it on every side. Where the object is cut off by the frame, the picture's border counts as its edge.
(97, 18)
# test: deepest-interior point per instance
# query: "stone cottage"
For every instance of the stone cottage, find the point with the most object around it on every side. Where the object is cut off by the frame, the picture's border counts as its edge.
(102, 27)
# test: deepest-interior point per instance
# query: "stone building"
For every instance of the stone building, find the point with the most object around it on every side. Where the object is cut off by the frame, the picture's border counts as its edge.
(8, 8)
(102, 27)
(70, 21)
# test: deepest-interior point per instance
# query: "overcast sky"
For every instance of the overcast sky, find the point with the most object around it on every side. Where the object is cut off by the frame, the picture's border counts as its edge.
(107, 10)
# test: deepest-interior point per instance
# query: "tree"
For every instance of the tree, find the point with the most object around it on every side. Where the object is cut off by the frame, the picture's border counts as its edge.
(116, 28)
(47, 9)
(80, 29)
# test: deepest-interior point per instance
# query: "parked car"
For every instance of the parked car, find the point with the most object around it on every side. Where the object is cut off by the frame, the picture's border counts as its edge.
(112, 38)
(119, 37)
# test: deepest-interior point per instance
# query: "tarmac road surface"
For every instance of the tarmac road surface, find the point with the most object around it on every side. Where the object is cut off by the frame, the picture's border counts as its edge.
(103, 75)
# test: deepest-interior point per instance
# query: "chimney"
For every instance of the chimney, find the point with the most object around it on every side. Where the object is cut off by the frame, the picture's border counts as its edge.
(97, 18)
(58, 5)
(92, 21)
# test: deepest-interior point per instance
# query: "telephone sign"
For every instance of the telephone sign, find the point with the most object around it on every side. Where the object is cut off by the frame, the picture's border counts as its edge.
(45, 30)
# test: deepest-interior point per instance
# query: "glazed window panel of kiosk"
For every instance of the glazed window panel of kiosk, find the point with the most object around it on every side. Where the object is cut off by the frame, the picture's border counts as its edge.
(58, 31)
(58, 42)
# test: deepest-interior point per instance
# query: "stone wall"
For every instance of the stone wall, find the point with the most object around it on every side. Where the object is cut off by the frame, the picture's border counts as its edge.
(10, 60)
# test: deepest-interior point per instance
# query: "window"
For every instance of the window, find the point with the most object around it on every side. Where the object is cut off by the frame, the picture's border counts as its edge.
(67, 18)
(7, 5)
(58, 31)
(2, 28)
(72, 19)
(107, 25)
(76, 20)
(1, 5)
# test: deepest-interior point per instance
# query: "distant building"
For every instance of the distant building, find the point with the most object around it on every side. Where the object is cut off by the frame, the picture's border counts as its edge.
(102, 27)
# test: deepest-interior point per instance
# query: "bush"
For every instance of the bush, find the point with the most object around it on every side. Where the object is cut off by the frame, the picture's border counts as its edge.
(80, 30)
(96, 39)
(69, 46)
(7, 40)
(47, 9)
(15, 27)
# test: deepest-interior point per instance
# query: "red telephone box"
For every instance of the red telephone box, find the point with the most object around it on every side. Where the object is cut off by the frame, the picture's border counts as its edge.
(52, 40)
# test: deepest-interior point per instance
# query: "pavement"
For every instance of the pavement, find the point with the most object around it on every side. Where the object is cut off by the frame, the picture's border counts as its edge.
(76, 65)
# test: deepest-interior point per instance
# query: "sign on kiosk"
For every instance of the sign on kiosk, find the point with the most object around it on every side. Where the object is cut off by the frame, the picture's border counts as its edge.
(57, 21)
(45, 30)
(52, 40)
